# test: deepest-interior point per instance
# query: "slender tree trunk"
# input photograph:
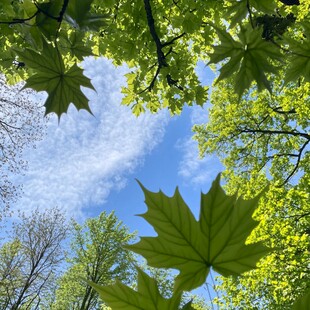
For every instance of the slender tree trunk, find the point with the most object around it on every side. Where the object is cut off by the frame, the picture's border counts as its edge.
(87, 298)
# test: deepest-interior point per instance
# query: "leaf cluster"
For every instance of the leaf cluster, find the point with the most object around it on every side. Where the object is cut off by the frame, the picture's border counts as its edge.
(21, 126)
(161, 42)
(266, 139)
(97, 255)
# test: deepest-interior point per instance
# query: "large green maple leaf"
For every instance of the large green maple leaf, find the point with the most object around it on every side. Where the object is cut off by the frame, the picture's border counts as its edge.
(217, 239)
(303, 302)
(250, 58)
(120, 296)
(62, 85)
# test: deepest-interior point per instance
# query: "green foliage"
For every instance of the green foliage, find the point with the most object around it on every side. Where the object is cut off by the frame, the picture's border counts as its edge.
(274, 25)
(21, 126)
(120, 296)
(262, 131)
(165, 279)
(10, 271)
(250, 57)
(300, 60)
(78, 15)
(96, 255)
(266, 139)
(303, 302)
(30, 259)
(218, 240)
(256, 45)
(160, 42)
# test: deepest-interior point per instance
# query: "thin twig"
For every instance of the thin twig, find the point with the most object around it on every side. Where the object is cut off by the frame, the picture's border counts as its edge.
(297, 163)
(20, 20)
(250, 13)
(277, 132)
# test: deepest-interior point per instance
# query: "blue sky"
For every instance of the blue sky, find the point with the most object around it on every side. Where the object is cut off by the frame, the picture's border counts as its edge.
(87, 164)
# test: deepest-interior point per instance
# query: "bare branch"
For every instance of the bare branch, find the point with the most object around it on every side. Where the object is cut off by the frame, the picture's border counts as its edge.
(20, 20)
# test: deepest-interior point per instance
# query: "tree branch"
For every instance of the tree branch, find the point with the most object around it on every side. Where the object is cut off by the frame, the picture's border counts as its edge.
(63, 10)
(173, 40)
(20, 20)
(161, 57)
(151, 23)
(297, 163)
(276, 132)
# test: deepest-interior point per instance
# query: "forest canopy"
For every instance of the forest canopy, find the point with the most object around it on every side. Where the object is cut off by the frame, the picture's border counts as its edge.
(43, 43)
(258, 123)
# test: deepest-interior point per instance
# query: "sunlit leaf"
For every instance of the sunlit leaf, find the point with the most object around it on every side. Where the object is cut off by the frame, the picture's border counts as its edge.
(62, 85)
(250, 58)
(303, 302)
(120, 296)
(217, 240)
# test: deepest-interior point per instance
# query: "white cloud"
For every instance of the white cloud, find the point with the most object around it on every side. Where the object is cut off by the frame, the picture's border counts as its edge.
(195, 170)
(84, 157)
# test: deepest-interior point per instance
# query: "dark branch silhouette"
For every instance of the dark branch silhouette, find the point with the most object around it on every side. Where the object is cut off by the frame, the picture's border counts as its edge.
(161, 56)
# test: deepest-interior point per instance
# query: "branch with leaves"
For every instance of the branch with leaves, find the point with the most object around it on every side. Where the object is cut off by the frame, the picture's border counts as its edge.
(161, 56)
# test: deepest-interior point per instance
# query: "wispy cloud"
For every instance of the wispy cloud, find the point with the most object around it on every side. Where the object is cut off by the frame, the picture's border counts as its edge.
(192, 168)
(85, 157)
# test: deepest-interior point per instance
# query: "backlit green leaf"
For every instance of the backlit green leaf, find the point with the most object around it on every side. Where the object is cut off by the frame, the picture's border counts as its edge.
(217, 240)
(250, 57)
(47, 25)
(77, 14)
(120, 296)
(303, 302)
(300, 58)
(62, 85)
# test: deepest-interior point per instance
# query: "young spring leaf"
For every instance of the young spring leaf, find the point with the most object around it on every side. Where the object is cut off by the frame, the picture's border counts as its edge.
(61, 84)
(120, 296)
(217, 239)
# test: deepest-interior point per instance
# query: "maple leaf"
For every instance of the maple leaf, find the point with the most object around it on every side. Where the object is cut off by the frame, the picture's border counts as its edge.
(62, 85)
(48, 26)
(300, 57)
(250, 58)
(120, 296)
(217, 239)
(77, 15)
(238, 10)
(303, 302)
